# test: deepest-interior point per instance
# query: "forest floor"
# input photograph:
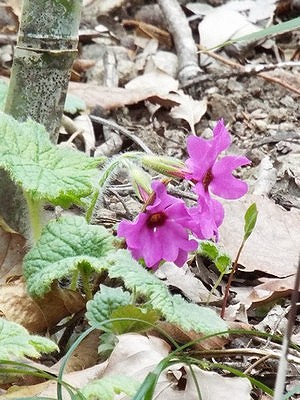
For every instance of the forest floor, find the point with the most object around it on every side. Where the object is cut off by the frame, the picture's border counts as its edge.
(127, 73)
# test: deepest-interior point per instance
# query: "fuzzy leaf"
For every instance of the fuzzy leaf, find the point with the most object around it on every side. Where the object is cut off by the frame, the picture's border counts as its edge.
(107, 388)
(174, 308)
(250, 220)
(105, 302)
(16, 341)
(58, 175)
(131, 311)
(64, 246)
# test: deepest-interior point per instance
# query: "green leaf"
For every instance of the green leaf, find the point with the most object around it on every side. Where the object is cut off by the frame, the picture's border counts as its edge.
(74, 104)
(47, 172)
(175, 309)
(16, 341)
(107, 388)
(3, 92)
(108, 342)
(209, 249)
(64, 246)
(105, 302)
(267, 32)
(250, 220)
(213, 252)
(131, 311)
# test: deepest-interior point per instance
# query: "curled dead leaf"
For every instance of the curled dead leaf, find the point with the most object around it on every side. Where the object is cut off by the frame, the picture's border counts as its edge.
(37, 315)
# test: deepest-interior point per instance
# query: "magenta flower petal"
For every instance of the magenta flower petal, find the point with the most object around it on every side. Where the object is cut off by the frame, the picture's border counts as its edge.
(161, 232)
(206, 218)
(221, 136)
(203, 153)
(224, 184)
(211, 175)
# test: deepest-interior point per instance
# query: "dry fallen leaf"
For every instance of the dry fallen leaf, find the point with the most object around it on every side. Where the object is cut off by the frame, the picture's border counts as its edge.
(189, 109)
(185, 280)
(211, 385)
(273, 247)
(114, 97)
(39, 314)
(134, 356)
(230, 25)
(271, 290)
(156, 81)
(12, 251)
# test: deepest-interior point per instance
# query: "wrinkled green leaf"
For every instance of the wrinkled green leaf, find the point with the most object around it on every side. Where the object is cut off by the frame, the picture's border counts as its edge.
(213, 252)
(65, 245)
(16, 341)
(175, 309)
(47, 172)
(131, 311)
(105, 302)
(107, 388)
(74, 104)
(250, 220)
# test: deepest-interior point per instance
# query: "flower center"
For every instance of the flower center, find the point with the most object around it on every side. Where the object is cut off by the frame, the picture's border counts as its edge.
(156, 219)
(208, 177)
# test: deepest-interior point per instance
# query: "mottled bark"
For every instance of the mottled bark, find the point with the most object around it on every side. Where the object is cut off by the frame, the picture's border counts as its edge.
(45, 51)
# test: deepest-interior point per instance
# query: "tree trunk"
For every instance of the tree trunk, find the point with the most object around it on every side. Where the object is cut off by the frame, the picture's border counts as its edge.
(45, 51)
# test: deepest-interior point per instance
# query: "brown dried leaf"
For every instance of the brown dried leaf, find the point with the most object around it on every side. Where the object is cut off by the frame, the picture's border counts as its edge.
(271, 290)
(149, 31)
(39, 314)
(183, 337)
(12, 251)
(185, 280)
(114, 97)
(273, 247)
(134, 356)
(86, 354)
(211, 384)
(189, 109)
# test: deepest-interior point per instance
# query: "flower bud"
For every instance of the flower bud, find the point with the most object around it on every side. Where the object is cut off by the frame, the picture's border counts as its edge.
(141, 182)
(168, 166)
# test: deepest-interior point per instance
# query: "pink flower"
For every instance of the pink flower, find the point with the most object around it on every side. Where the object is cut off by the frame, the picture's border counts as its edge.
(160, 233)
(211, 174)
(207, 216)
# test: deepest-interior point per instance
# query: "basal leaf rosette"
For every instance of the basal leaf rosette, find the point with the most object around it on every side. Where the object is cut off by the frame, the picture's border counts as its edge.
(46, 172)
(65, 245)
(16, 341)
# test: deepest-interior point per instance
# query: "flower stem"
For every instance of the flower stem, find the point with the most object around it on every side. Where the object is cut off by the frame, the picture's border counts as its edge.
(35, 210)
(74, 280)
(214, 288)
(233, 271)
(86, 285)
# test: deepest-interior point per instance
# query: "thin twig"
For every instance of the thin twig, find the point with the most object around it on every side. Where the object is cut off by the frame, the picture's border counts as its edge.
(244, 69)
(245, 352)
(121, 130)
(188, 65)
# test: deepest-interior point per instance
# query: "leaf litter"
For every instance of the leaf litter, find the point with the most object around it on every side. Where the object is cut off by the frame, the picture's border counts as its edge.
(255, 110)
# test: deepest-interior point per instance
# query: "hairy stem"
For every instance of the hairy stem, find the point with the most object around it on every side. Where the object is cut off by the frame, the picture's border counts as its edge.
(35, 216)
